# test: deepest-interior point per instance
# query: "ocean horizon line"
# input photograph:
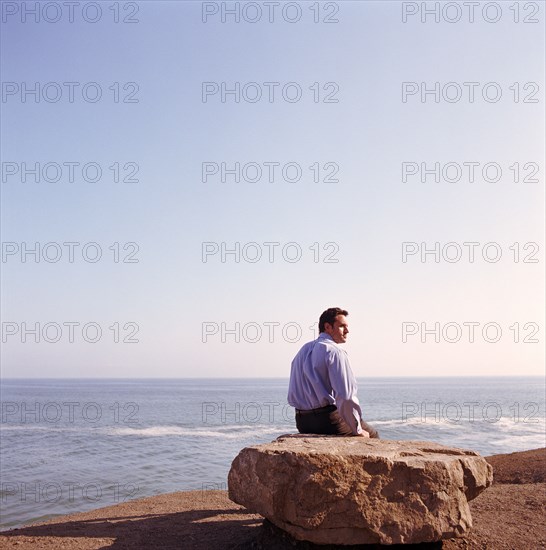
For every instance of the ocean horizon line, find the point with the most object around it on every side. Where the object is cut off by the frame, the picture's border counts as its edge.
(480, 376)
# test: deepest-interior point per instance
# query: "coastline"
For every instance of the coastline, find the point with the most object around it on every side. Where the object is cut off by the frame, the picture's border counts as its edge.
(508, 515)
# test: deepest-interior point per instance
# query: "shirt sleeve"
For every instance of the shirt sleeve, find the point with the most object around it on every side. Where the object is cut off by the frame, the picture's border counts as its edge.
(345, 390)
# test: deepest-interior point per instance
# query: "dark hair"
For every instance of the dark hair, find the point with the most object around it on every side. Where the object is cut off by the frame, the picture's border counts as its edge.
(329, 316)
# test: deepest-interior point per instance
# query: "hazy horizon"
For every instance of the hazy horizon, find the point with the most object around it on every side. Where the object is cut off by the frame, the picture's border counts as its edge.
(264, 377)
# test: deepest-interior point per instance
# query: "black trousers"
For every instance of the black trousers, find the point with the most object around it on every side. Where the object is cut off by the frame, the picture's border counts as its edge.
(327, 421)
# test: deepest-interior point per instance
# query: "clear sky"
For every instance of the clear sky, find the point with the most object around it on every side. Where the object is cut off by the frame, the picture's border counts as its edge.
(353, 129)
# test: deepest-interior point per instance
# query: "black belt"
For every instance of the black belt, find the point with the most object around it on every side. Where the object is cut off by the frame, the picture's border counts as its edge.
(327, 408)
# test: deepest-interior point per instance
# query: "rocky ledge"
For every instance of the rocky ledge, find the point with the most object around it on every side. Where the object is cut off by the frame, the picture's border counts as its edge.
(351, 490)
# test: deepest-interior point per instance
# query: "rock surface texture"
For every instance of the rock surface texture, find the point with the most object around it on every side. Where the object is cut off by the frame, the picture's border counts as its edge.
(351, 490)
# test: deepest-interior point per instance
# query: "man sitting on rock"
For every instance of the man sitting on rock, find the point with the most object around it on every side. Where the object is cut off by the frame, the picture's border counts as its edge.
(322, 385)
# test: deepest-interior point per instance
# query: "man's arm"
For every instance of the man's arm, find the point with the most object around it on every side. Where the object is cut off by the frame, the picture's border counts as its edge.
(345, 390)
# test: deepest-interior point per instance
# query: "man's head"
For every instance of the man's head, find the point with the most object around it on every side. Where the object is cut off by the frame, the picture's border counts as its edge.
(333, 322)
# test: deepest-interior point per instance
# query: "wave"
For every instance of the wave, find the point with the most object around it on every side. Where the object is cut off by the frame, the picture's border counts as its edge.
(429, 422)
(527, 441)
(502, 424)
(49, 428)
(162, 431)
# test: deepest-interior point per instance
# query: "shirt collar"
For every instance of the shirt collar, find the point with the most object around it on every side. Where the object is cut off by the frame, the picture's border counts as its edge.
(324, 336)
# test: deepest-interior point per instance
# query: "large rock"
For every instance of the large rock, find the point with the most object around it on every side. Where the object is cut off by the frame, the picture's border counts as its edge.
(351, 490)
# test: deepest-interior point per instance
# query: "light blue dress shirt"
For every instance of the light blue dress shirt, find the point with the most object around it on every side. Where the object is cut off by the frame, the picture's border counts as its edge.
(321, 375)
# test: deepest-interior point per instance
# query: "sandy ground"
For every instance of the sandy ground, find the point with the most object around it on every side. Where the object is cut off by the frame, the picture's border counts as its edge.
(511, 514)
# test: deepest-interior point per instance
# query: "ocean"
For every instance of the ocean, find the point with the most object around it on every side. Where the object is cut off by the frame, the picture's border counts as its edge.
(77, 444)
